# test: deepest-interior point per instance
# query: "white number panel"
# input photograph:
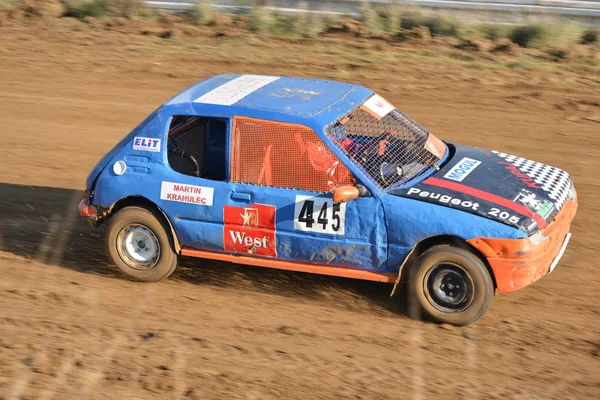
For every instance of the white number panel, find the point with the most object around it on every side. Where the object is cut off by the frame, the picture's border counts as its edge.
(319, 214)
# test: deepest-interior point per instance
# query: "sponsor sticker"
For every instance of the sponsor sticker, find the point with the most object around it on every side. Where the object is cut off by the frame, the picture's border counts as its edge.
(146, 144)
(466, 204)
(535, 204)
(319, 214)
(463, 168)
(444, 198)
(377, 106)
(250, 229)
(435, 146)
(523, 177)
(236, 89)
(183, 193)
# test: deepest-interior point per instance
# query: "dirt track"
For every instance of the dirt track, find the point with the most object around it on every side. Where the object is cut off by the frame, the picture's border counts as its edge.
(70, 327)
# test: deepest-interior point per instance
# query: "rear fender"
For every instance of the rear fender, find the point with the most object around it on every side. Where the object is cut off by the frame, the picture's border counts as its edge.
(143, 202)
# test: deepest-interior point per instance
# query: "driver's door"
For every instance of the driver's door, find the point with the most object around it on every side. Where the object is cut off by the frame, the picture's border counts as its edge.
(278, 175)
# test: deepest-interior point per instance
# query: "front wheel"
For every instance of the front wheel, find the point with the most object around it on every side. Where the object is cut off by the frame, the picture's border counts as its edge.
(449, 285)
(139, 244)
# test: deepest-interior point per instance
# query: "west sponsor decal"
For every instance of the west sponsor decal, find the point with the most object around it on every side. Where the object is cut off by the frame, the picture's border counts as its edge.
(377, 106)
(526, 179)
(319, 214)
(435, 146)
(187, 193)
(250, 229)
(146, 144)
(463, 168)
(535, 204)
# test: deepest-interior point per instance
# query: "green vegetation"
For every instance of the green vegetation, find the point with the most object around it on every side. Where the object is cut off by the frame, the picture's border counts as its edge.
(104, 8)
(310, 25)
(589, 36)
(7, 5)
(525, 35)
(490, 32)
(393, 18)
(372, 20)
(86, 8)
(560, 36)
(202, 13)
(261, 20)
(556, 39)
(305, 24)
(437, 24)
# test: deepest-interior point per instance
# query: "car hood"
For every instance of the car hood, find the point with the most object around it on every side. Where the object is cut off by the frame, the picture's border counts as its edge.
(518, 192)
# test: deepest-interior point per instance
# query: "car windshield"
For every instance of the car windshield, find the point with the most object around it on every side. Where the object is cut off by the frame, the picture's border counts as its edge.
(387, 145)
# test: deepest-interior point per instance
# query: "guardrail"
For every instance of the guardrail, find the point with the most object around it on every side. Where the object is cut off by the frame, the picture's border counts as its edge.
(572, 8)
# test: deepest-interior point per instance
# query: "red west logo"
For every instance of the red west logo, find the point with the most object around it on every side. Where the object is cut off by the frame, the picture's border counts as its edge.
(250, 229)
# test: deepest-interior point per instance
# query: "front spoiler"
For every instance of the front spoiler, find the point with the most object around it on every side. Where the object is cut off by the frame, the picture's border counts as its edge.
(517, 263)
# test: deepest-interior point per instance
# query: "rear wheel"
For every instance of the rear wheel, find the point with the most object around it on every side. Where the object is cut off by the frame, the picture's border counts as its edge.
(139, 243)
(450, 285)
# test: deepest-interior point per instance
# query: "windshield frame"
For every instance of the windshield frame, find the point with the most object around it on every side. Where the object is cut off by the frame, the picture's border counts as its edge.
(410, 130)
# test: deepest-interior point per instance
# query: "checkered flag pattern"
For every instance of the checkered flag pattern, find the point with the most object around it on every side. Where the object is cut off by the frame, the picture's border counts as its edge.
(553, 180)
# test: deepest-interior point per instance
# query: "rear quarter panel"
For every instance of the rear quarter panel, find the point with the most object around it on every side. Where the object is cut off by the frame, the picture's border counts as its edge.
(144, 168)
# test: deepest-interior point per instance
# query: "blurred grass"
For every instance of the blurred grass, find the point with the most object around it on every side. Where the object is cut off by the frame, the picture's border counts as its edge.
(554, 37)
(202, 13)
(7, 5)
(590, 36)
(105, 8)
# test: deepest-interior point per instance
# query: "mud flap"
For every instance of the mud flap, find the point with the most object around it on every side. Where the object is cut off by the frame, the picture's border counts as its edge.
(400, 270)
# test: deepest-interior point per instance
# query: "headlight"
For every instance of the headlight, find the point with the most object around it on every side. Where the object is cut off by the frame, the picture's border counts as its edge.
(572, 192)
(537, 238)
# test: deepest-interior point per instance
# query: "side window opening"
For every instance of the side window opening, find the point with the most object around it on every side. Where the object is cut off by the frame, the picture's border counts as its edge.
(277, 154)
(196, 146)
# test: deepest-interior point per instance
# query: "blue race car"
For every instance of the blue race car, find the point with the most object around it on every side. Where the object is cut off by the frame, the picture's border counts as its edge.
(328, 178)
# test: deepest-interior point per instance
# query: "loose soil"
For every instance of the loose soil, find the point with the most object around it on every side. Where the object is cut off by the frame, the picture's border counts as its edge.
(71, 327)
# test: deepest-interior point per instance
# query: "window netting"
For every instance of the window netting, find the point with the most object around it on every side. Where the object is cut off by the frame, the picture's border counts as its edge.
(284, 155)
(392, 150)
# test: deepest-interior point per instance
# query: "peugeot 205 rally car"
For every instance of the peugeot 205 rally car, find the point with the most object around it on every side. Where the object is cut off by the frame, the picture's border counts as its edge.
(328, 178)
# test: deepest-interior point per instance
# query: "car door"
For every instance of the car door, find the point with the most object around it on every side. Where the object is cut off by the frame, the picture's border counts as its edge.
(280, 204)
(193, 203)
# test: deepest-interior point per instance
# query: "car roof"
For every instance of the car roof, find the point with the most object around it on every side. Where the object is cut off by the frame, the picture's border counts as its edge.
(283, 98)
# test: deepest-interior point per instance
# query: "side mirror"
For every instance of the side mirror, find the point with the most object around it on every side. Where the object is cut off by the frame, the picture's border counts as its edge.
(362, 190)
(343, 194)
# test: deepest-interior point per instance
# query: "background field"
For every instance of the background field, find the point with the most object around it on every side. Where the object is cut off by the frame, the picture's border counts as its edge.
(70, 327)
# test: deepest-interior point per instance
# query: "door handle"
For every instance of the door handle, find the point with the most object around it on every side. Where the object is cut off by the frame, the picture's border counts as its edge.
(241, 196)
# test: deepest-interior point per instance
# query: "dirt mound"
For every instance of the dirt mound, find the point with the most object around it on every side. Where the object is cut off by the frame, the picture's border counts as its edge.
(505, 46)
(45, 9)
(348, 25)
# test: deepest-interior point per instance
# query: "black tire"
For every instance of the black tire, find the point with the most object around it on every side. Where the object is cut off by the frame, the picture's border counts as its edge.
(148, 233)
(449, 284)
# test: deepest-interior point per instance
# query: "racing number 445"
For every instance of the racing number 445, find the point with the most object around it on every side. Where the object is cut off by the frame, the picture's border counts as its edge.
(318, 214)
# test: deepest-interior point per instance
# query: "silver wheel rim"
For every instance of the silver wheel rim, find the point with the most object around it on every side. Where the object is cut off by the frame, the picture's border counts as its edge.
(138, 247)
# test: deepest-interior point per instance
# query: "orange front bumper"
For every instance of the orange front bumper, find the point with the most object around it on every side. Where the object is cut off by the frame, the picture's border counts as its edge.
(517, 263)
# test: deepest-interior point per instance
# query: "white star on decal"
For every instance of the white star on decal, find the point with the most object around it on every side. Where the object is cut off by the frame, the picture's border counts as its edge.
(531, 200)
